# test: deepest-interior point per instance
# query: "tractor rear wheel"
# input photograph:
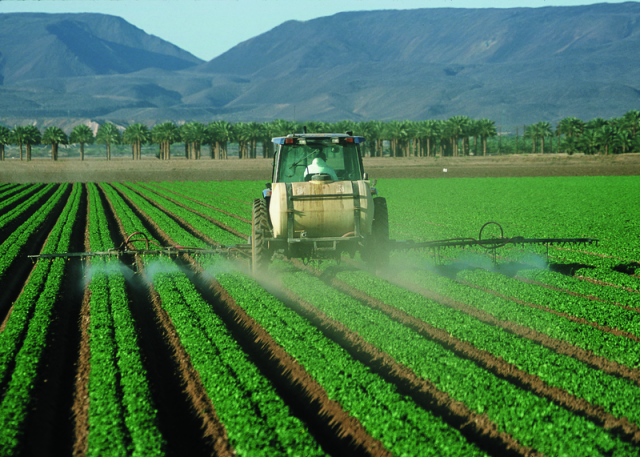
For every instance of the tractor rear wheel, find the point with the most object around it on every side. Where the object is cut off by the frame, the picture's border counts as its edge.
(260, 253)
(377, 249)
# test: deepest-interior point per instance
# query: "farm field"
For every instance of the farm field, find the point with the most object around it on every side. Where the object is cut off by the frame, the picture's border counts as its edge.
(537, 353)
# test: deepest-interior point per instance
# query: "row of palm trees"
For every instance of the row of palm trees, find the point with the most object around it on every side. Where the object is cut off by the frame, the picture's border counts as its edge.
(451, 137)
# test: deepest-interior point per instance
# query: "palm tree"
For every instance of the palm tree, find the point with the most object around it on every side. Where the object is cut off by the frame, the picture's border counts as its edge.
(253, 132)
(136, 135)
(486, 129)
(108, 134)
(543, 130)
(81, 134)
(193, 134)
(18, 136)
(569, 144)
(589, 142)
(32, 137)
(631, 122)
(457, 128)
(622, 141)
(426, 132)
(165, 135)
(54, 136)
(5, 138)
(570, 126)
(372, 131)
(605, 136)
(220, 133)
(531, 132)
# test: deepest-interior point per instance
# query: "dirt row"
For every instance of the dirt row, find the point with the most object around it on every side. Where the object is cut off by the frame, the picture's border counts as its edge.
(150, 169)
(492, 363)
(483, 431)
(310, 399)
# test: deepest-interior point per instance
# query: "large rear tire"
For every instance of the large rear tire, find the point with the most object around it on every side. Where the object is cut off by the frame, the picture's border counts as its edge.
(377, 247)
(260, 253)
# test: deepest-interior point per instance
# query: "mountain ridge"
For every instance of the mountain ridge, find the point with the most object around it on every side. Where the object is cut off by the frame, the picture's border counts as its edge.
(513, 65)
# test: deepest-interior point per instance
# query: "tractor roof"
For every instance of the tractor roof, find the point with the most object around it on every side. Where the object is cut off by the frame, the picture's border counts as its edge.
(337, 137)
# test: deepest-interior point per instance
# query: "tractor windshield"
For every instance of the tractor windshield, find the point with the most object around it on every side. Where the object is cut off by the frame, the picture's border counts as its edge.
(296, 161)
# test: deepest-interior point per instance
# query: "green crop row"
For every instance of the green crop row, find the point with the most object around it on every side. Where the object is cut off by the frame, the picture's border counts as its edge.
(531, 420)
(199, 223)
(216, 195)
(24, 206)
(241, 226)
(617, 348)
(10, 196)
(165, 222)
(617, 396)
(25, 335)
(255, 418)
(529, 207)
(403, 428)
(244, 400)
(602, 313)
(129, 220)
(612, 277)
(122, 417)
(16, 244)
(245, 191)
(580, 286)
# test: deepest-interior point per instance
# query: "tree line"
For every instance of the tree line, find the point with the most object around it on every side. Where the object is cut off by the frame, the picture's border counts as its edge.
(456, 136)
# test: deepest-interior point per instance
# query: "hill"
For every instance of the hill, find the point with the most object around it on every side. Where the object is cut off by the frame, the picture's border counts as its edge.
(513, 65)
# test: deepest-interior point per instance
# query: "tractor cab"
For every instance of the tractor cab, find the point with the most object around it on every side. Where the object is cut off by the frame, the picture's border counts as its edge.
(318, 156)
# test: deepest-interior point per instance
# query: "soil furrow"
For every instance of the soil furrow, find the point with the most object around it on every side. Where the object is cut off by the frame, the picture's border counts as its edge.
(578, 320)
(202, 192)
(478, 428)
(608, 284)
(195, 430)
(235, 216)
(222, 225)
(328, 421)
(575, 294)
(492, 363)
(559, 346)
(80, 407)
(336, 431)
(183, 224)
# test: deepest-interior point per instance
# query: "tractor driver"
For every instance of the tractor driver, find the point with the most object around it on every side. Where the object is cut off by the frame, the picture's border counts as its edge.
(319, 165)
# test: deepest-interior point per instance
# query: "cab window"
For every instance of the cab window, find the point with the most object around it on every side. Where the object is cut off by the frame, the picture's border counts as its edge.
(294, 159)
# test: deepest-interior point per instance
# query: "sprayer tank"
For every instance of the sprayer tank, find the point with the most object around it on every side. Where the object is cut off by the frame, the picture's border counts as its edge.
(321, 208)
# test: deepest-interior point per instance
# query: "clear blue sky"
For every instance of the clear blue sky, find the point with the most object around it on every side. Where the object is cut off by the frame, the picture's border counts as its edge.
(207, 28)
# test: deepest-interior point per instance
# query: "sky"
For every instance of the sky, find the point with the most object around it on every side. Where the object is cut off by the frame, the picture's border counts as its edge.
(208, 28)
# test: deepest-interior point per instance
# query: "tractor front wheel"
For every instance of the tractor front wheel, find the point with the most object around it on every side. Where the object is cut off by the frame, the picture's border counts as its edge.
(260, 254)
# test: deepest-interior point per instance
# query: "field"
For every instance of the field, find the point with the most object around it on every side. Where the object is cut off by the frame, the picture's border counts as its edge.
(535, 354)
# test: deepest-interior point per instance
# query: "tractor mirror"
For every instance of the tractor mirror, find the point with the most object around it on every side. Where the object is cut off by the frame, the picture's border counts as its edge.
(268, 185)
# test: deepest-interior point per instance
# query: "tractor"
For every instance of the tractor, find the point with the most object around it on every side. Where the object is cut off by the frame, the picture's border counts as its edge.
(319, 204)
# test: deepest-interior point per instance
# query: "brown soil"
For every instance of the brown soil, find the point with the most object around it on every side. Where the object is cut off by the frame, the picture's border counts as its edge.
(575, 294)
(332, 413)
(419, 388)
(184, 224)
(578, 320)
(492, 363)
(81, 396)
(204, 216)
(150, 169)
(213, 429)
(561, 347)
(235, 216)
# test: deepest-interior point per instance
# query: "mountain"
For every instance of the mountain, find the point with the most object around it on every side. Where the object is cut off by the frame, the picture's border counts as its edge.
(50, 46)
(513, 65)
